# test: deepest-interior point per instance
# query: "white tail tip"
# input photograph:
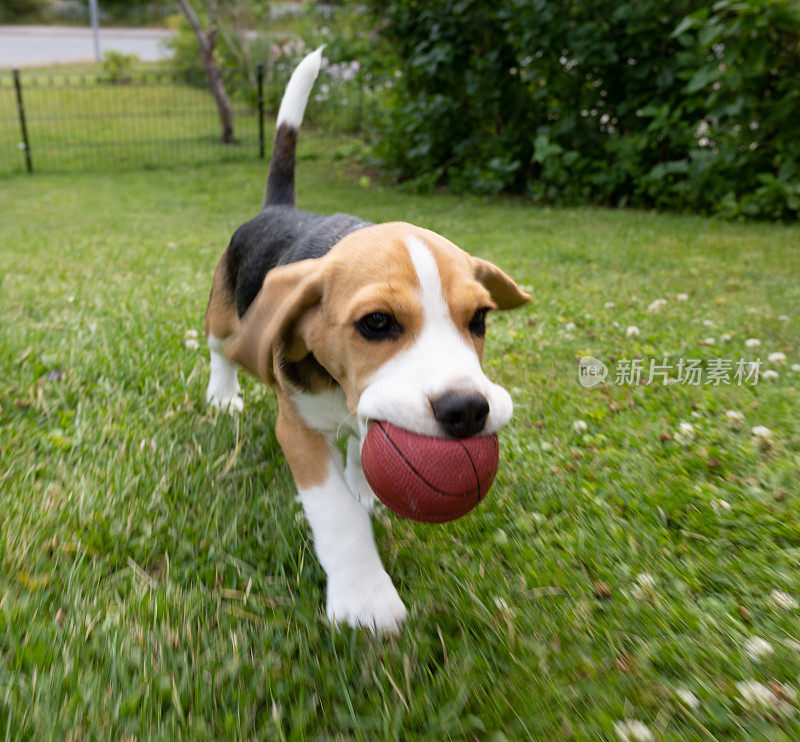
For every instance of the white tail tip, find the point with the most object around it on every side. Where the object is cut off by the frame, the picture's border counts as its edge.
(293, 104)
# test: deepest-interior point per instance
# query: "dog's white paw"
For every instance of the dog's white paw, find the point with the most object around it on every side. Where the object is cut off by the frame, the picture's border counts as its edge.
(230, 403)
(359, 601)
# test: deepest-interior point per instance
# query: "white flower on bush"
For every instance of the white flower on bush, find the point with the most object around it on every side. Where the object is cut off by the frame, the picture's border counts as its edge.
(752, 343)
(769, 375)
(757, 648)
(777, 357)
(657, 305)
(689, 698)
(762, 436)
(580, 426)
(632, 730)
(632, 332)
(685, 434)
(757, 697)
(780, 599)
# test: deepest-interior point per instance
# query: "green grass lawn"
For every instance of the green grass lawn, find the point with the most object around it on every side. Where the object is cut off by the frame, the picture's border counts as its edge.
(77, 120)
(156, 575)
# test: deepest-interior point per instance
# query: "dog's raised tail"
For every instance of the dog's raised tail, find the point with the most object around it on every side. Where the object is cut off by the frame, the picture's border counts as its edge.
(280, 181)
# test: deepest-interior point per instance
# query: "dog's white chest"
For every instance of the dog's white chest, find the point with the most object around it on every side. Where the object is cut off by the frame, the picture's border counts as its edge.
(326, 412)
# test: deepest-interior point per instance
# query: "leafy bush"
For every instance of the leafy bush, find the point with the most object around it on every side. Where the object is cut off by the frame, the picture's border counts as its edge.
(17, 11)
(343, 98)
(118, 67)
(665, 103)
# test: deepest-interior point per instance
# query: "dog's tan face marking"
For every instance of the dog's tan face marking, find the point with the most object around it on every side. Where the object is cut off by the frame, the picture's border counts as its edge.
(418, 278)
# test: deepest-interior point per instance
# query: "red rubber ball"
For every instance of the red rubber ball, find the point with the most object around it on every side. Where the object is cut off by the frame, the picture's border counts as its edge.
(431, 480)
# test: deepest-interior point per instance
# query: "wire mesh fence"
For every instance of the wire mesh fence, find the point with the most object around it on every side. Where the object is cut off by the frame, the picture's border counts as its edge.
(79, 119)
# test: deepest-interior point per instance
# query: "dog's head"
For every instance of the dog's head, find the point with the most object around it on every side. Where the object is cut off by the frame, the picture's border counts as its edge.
(396, 315)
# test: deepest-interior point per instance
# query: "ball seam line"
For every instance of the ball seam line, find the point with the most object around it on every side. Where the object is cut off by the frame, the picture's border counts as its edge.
(411, 466)
(474, 468)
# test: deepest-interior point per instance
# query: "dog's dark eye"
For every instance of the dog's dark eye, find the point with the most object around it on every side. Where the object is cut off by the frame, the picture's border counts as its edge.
(379, 326)
(477, 325)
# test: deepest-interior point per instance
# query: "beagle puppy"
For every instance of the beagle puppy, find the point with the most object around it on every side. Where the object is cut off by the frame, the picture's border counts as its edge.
(350, 322)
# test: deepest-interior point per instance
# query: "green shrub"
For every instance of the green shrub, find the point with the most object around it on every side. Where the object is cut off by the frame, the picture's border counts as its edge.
(665, 103)
(118, 67)
(17, 11)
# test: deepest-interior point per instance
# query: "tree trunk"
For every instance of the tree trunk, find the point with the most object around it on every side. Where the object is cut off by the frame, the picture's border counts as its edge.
(207, 40)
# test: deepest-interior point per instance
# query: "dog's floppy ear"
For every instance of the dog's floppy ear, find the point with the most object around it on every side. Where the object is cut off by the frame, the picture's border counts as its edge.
(505, 293)
(273, 318)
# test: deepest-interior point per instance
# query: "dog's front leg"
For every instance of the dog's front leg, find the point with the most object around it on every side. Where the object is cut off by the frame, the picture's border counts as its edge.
(359, 592)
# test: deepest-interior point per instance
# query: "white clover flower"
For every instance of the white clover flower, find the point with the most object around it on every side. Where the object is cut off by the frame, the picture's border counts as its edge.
(708, 322)
(769, 375)
(751, 310)
(796, 368)
(719, 505)
(610, 305)
(725, 337)
(501, 604)
(171, 245)
(579, 426)
(685, 434)
(777, 357)
(682, 297)
(570, 326)
(192, 344)
(758, 697)
(762, 436)
(735, 418)
(757, 648)
(632, 332)
(615, 324)
(709, 341)
(783, 318)
(657, 305)
(752, 343)
(190, 334)
(689, 698)
(632, 730)
(780, 599)
(646, 580)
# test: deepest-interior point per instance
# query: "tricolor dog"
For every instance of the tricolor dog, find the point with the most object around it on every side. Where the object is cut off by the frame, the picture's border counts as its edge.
(350, 322)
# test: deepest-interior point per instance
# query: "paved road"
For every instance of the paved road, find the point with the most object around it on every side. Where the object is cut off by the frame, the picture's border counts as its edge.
(28, 46)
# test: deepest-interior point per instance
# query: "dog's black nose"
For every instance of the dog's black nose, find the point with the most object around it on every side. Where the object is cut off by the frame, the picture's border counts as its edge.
(461, 414)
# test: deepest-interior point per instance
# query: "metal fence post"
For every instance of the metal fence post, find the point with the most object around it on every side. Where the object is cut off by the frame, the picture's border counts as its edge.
(22, 124)
(260, 78)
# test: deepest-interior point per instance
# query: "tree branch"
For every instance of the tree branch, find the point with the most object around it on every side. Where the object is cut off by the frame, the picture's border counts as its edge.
(194, 22)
